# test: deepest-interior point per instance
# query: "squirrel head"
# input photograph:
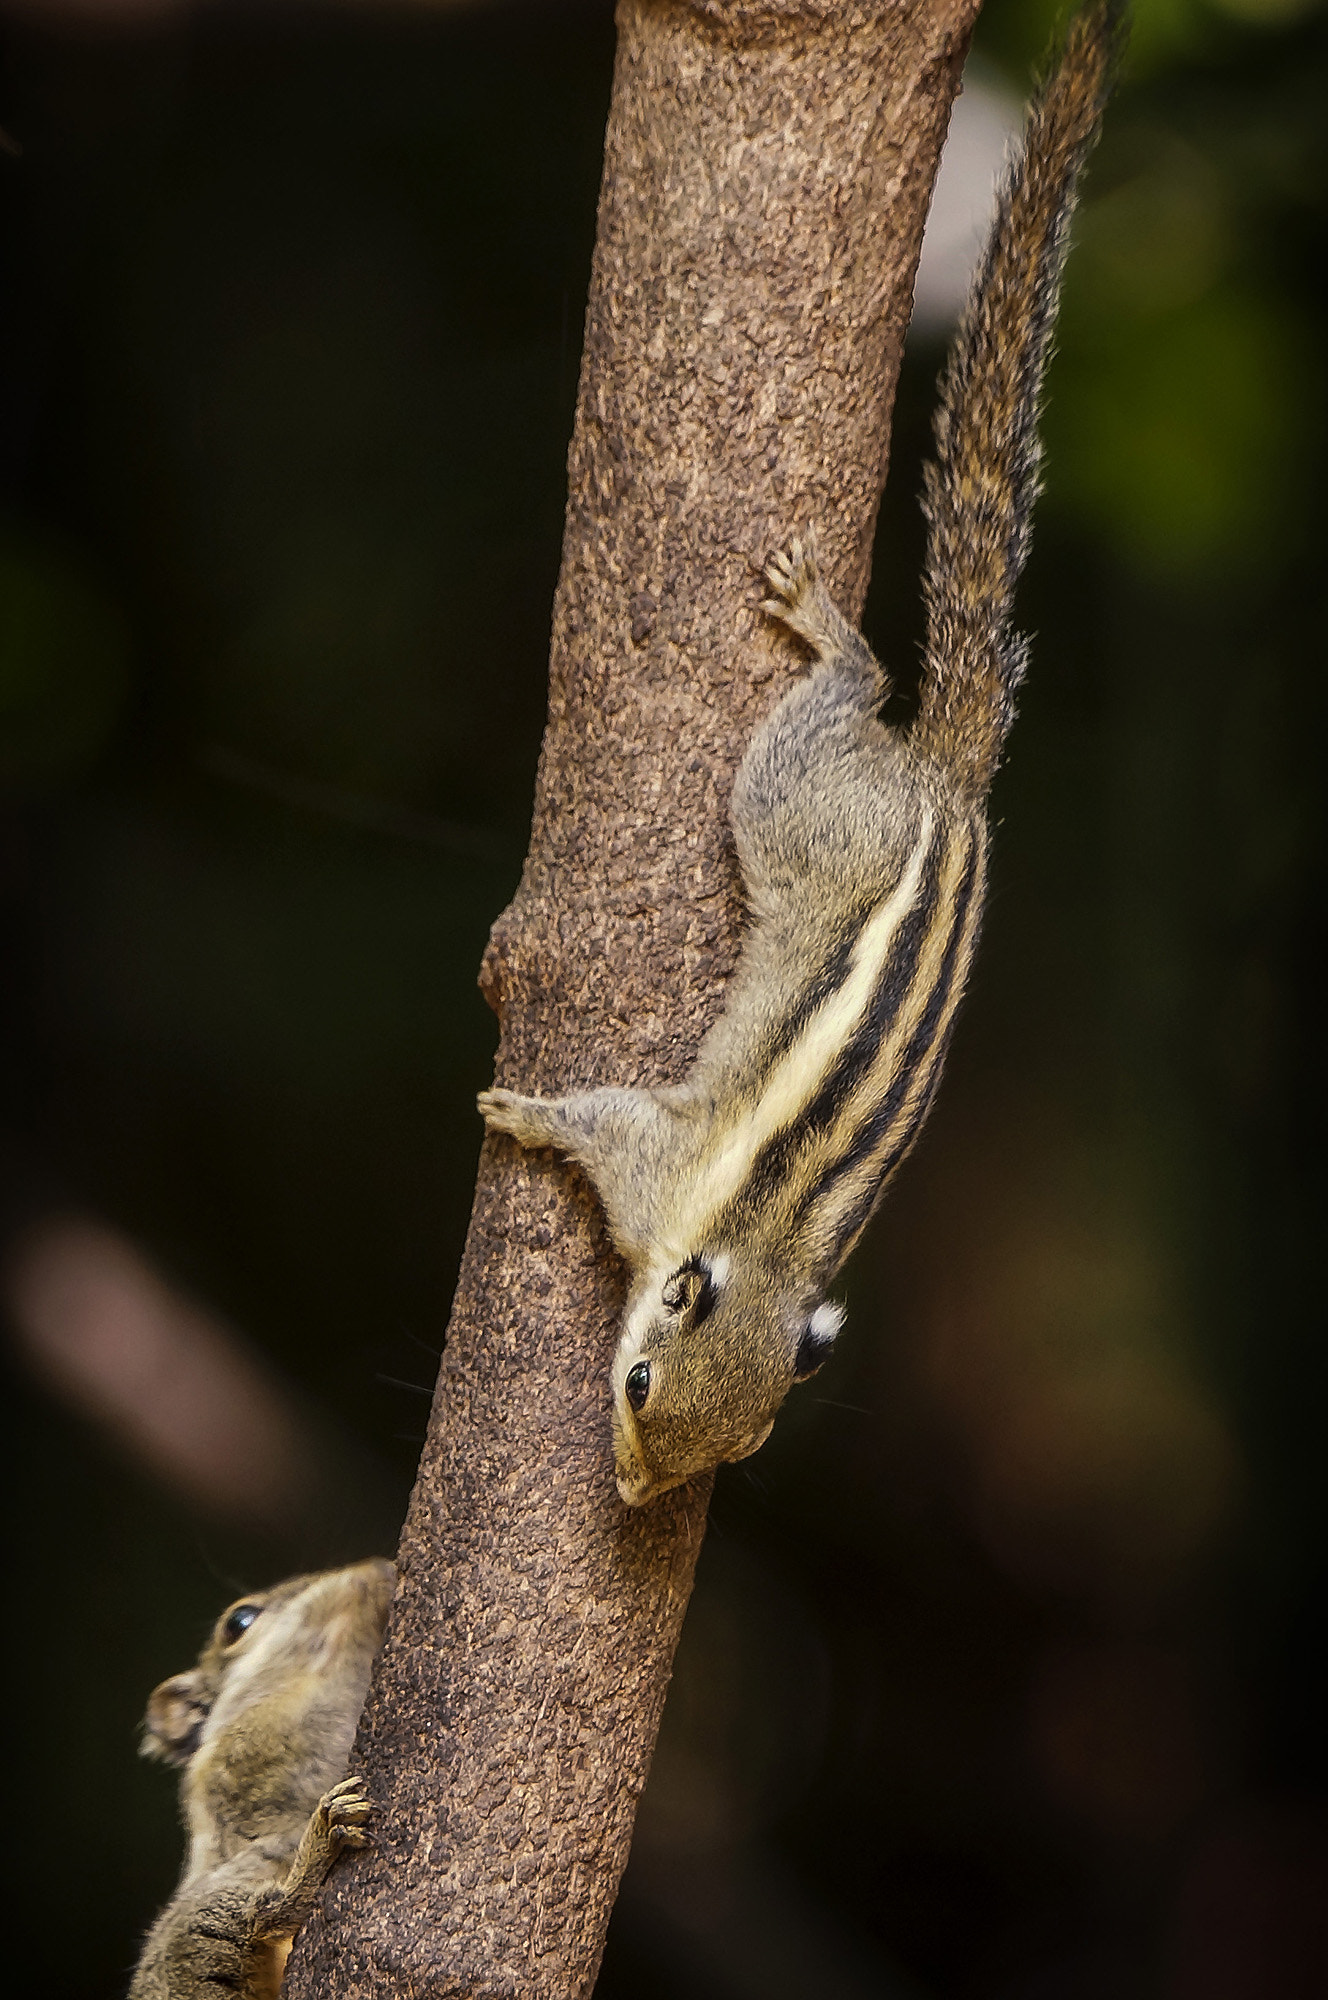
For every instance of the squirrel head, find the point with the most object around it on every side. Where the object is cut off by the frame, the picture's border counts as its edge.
(709, 1350)
(264, 1644)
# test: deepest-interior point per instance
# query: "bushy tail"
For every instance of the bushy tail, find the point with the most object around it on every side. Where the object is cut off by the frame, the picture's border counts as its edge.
(978, 495)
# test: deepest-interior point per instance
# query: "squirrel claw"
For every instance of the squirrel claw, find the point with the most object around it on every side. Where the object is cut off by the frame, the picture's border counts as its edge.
(792, 572)
(345, 1808)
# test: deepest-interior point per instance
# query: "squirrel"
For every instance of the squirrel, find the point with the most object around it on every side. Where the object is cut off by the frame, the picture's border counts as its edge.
(736, 1195)
(262, 1730)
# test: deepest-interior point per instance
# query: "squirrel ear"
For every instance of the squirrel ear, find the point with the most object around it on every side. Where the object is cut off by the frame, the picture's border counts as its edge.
(693, 1290)
(174, 1722)
(817, 1341)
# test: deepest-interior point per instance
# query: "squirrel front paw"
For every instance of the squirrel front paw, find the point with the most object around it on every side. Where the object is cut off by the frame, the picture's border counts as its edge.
(531, 1121)
(344, 1811)
(498, 1109)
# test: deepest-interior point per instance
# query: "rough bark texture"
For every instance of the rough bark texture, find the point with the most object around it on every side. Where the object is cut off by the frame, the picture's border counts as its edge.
(767, 172)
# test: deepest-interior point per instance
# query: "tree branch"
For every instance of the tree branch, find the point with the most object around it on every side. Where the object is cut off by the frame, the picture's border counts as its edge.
(766, 177)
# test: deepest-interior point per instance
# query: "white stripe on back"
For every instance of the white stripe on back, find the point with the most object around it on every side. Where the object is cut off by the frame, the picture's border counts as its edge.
(800, 1071)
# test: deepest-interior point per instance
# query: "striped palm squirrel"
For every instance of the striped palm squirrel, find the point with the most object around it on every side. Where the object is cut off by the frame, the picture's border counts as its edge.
(736, 1195)
(262, 1728)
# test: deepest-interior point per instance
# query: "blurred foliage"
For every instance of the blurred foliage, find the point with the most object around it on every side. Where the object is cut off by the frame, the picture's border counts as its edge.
(1004, 1672)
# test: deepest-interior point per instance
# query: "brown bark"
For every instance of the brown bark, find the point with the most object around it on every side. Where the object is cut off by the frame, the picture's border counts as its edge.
(767, 171)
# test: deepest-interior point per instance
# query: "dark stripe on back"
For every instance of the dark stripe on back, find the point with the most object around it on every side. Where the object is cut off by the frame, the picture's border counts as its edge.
(855, 1220)
(773, 1160)
(876, 1127)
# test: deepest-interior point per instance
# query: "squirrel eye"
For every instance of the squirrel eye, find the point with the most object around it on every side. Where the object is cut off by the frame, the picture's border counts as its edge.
(239, 1621)
(637, 1385)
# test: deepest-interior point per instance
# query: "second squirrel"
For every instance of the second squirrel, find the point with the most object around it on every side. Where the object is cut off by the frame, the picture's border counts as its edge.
(262, 1728)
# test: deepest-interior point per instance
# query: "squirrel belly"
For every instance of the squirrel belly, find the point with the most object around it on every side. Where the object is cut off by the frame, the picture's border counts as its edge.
(735, 1196)
(262, 1729)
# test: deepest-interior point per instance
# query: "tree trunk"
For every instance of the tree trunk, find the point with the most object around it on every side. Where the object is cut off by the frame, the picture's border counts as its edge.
(766, 177)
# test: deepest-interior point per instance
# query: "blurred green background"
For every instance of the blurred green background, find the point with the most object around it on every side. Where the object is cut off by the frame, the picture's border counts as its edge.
(1004, 1679)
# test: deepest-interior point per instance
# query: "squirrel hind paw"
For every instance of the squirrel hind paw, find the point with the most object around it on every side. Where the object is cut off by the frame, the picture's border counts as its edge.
(792, 572)
(802, 603)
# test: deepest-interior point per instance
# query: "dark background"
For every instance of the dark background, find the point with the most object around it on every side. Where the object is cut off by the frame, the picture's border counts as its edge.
(1004, 1679)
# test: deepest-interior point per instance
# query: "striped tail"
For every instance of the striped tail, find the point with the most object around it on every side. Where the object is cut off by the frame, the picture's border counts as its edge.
(978, 495)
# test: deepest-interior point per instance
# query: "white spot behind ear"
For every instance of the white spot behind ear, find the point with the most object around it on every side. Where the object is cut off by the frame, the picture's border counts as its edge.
(720, 1267)
(826, 1321)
